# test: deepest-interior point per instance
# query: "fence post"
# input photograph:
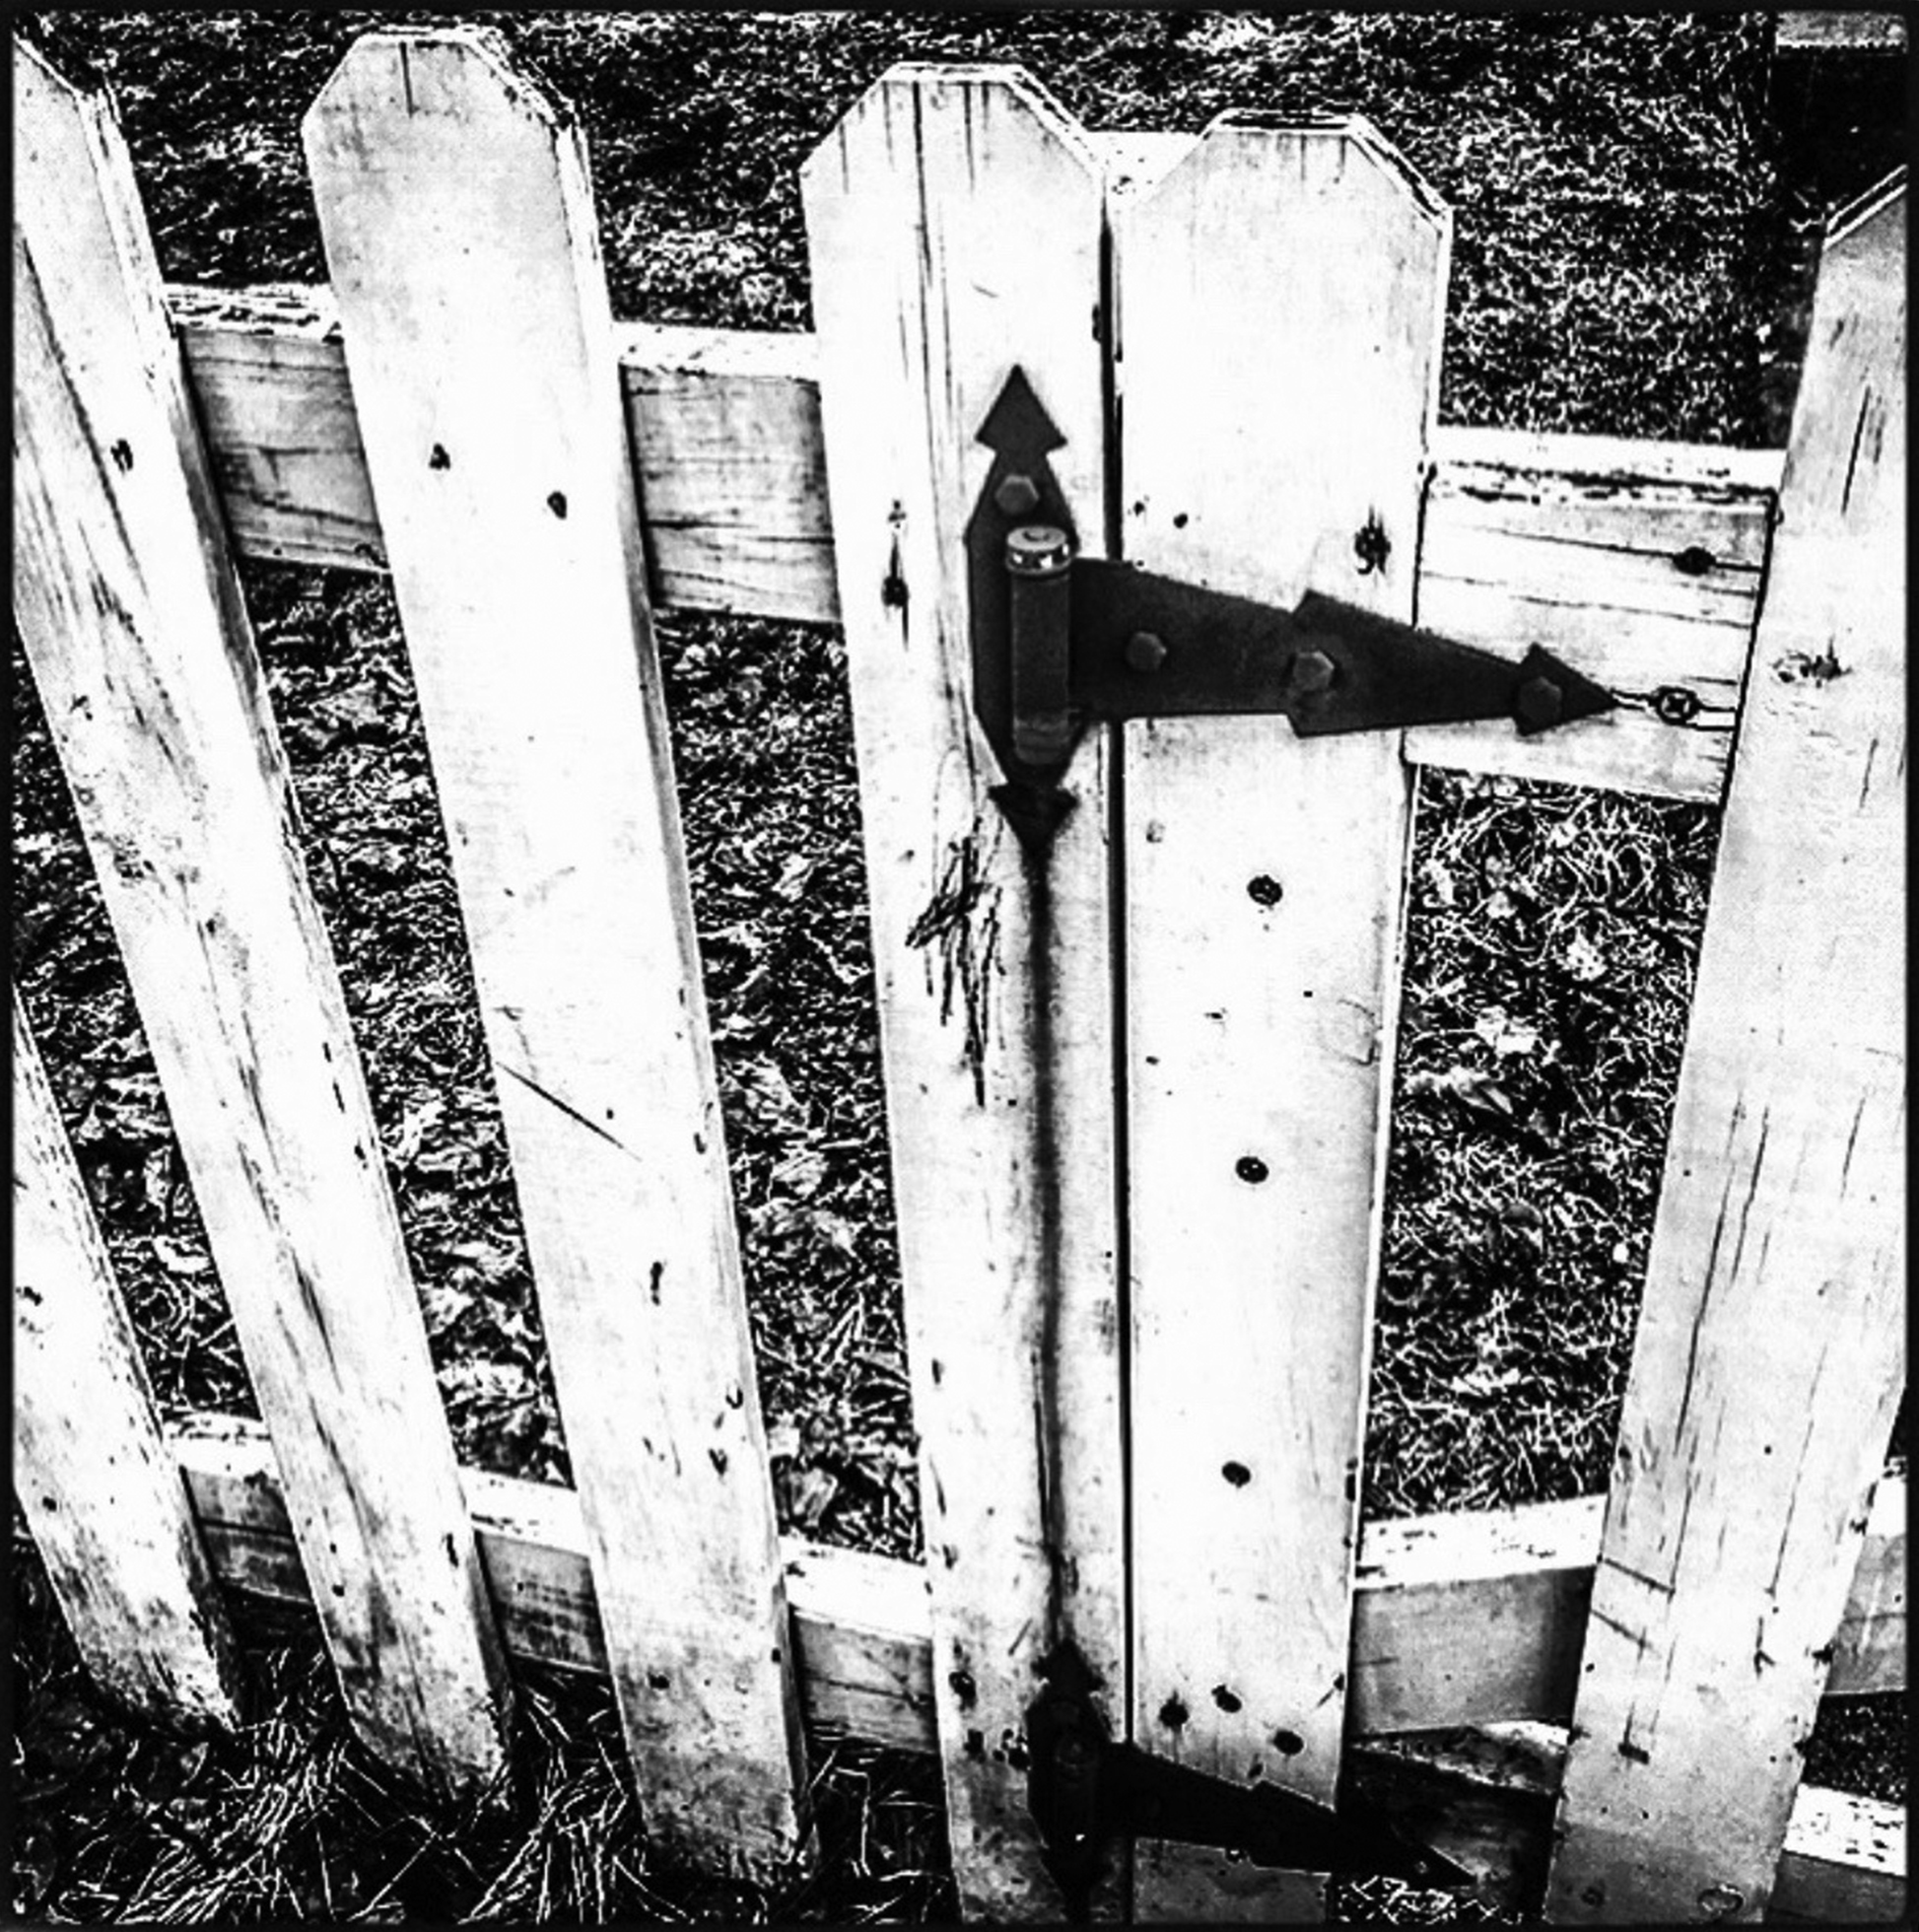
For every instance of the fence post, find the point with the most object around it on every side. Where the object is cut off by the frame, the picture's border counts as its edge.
(100, 1486)
(954, 221)
(1769, 1354)
(133, 623)
(1280, 295)
(460, 235)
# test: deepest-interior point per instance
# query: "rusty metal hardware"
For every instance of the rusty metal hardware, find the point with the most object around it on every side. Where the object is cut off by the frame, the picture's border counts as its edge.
(1084, 1790)
(1061, 640)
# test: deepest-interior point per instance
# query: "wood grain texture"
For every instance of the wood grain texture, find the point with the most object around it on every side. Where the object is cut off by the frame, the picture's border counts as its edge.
(1573, 541)
(1280, 295)
(488, 396)
(861, 1632)
(1769, 1355)
(995, 973)
(98, 1483)
(725, 427)
(1650, 588)
(126, 604)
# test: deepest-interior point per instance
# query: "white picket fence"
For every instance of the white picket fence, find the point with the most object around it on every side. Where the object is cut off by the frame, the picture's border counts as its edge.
(534, 477)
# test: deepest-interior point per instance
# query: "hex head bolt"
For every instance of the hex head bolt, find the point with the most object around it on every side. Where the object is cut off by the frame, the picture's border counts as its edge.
(1312, 673)
(1145, 651)
(1018, 496)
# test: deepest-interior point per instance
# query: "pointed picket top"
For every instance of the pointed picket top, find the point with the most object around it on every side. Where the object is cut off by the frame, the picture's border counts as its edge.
(996, 86)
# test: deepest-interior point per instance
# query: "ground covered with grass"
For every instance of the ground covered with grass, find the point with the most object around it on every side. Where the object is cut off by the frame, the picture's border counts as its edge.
(1632, 256)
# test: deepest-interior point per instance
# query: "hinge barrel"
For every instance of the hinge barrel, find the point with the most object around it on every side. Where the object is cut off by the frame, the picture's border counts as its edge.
(1039, 573)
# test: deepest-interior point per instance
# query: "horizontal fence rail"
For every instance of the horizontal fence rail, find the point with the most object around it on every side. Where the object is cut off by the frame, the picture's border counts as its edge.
(1640, 563)
(1429, 1591)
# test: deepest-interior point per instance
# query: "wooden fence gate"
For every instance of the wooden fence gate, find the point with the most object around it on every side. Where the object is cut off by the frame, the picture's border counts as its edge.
(1137, 1068)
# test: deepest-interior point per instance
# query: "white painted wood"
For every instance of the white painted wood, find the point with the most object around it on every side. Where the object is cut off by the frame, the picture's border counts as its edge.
(1769, 1355)
(98, 1485)
(954, 224)
(1427, 1589)
(1844, 1863)
(1567, 540)
(1280, 295)
(732, 473)
(459, 230)
(126, 604)
(1647, 587)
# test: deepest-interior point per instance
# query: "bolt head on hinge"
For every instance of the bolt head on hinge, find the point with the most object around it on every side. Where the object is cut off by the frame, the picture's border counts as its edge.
(1145, 650)
(1018, 496)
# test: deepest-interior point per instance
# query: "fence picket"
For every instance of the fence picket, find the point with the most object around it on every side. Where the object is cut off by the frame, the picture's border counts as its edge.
(489, 398)
(100, 1484)
(1280, 294)
(133, 624)
(954, 223)
(1769, 1354)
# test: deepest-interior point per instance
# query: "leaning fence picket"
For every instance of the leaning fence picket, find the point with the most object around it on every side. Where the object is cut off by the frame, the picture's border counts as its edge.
(954, 225)
(133, 625)
(489, 400)
(1769, 1355)
(1263, 437)
(101, 1487)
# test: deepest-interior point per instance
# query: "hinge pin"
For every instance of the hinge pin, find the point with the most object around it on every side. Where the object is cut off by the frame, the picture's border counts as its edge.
(1039, 565)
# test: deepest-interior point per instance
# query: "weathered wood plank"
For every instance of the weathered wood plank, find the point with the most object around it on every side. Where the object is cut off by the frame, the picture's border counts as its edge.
(861, 1634)
(994, 971)
(97, 1480)
(1280, 297)
(1485, 1799)
(488, 397)
(1769, 1355)
(133, 626)
(732, 473)
(1423, 1587)
(1648, 586)
(1569, 540)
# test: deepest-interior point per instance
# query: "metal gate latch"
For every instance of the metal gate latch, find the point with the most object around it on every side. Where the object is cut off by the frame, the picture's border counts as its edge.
(1059, 640)
(1083, 1790)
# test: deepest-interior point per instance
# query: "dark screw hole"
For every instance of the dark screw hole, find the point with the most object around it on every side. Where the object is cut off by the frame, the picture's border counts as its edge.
(964, 1688)
(1371, 545)
(1264, 892)
(1237, 1473)
(1250, 1168)
(440, 459)
(1225, 1699)
(557, 502)
(1290, 1742)
(659, 1679)
(124, 454)
(1173, 1712)
(1694, 560)
(1180, 521)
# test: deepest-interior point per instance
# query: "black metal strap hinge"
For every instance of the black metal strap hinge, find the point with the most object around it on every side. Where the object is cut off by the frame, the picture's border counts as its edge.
(1084, 1790)
(1061, 641)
